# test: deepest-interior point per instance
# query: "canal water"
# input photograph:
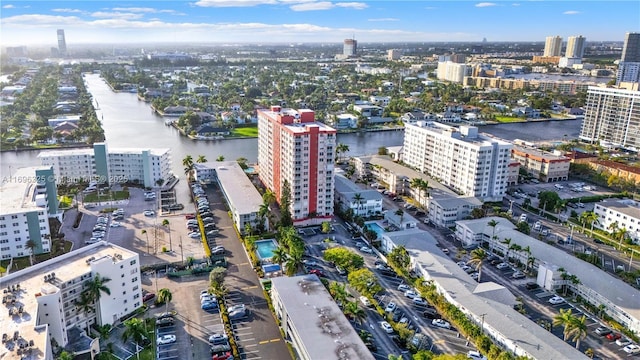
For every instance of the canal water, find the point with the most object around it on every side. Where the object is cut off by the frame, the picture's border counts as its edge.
(128, 122)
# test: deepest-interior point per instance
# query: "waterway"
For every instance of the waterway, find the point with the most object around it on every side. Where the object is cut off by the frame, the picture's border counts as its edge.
(128, 122)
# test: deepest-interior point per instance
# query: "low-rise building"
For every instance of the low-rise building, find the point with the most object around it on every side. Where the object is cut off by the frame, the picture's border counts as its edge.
(542, 165)
(445, 211)
(43, 301)
(149, 167)
(312, 322)
(242, 196)
(488, 304)
(594, 286)
(363, 202)
(624, 213)
(29, 198)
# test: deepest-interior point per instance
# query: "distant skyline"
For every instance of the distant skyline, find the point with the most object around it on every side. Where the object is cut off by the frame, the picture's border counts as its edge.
(304, 21)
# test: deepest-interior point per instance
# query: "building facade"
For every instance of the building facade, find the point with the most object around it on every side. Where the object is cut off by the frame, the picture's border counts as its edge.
(612, 116)
(629, 66)
(575, 47)
(242, 196)
(62, 43)
(51, 292)
(624, 213)
(552, 46)
(350, 47)
(473, 164)
(363, 202)
(296, 150)
(542, 165)
(28, 199)
(150, 167)
(451, 71)
(444, 212)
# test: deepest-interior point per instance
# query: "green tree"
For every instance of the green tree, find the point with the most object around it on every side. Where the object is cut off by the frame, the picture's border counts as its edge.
(341, 149)
(167, 224)
(165, 296)
(344, 258)
(339, 291)
(144, 232)
(95, 287)
(400, 213)
(279, 256)
(493, 224)
(478, 256)
(364, 281)
(578, 329)
(65, 356)
(523, 227)
(354, 312)
(201, 159)
(30, 245)
(422, 186)
(549, 200)
(399, 257)
(134, 329)
(285, 205)
(187, 162)
(565, 319)
(294, 262)
(357, 199)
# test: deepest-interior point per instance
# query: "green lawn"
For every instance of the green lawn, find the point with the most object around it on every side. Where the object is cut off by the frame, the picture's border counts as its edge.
(508, 119)
(245, 132)
(106, 196)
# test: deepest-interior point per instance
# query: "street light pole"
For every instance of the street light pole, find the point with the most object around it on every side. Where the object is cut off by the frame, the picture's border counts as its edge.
(482, 324)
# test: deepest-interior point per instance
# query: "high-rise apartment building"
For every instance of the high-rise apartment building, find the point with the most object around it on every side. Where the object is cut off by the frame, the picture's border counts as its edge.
(472, 163)
(575, 47)
(451, 71)
(29, 198)
(150, 167)
(44, 302)
(612, 116)
(350, 47)
(62, 43)
(552, 46)
(293, 148)
(629, 67)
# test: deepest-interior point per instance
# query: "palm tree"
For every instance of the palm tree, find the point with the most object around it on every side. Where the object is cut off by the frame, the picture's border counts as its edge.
(341, 148)
(294, 263)
(166, 224)
(135, 330)
(400, 213)
(477, 258)
(95, 287)
(354, 312)
(30, 245)
(105, 332)
(65, 356)
(144, 232)
(357, 199)
(279, 256)
(565, 318)
(507, 242)
(339, 291)
(578, 329)
(165, 296)
(201, 159)
(220, 158)
(493, 225)
(187, 162)
(420, 185)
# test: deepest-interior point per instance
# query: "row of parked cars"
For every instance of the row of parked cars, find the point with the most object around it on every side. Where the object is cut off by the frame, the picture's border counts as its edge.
(102, 223)
(627, 345)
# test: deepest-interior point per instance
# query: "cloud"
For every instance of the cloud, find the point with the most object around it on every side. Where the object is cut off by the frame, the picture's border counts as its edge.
(384, 19)
(571, 12)
(515, 4)
(233, 3)
(313, 6)
(353, 5)
(117, 15)
(485, 4)
(8, 6)
(430, 8)
(67, 10)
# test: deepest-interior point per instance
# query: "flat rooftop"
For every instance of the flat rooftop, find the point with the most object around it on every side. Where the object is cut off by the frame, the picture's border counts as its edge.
(627, 207)
(304, 127)
(442, 129)
(345, 186)
(31, 284)
(238, 188)
(110, 151)
(319, 322)
(18, 191)
(536, 153)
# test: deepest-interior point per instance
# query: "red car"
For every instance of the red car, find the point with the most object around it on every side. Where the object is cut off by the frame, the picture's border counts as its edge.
(190, 216)
(148, 296)
(223, 356)
(316, 272)
(614, 336)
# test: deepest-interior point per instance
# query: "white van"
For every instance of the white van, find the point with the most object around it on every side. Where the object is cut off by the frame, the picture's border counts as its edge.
(558, 186)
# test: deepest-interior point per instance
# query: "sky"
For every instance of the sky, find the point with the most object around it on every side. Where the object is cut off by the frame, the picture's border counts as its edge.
(305, 21)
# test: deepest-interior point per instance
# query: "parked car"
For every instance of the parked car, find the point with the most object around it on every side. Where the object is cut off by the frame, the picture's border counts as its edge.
(316, 272)
(238, 314)
(418, 301)
(518, 275)
(556, 300)
(217, 339)
(209, 305)
(623, 341)
(603, 331)
(218, 250)
(166, 339)
(404, 287)
(431, 313)
(531, 286)
(366, 249)
(441, 323)
(631, 349)
(475, 355)
(502, 266)
(365, 301)
(190, 216)
(115, 224)
(168, 321)
(391, 307)
(410, 294)
(613, 336)
(148, 296)
(194, 235)
(207, 298)
(386, 327)
(149, 213)
(598, 241)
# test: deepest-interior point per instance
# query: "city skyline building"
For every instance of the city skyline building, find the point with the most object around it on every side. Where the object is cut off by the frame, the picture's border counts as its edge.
(575, 47)
(350, 47)
(62, 43)
(295, 149)
(629, 66)
(472, 163)
(612, 118)
(553, 46)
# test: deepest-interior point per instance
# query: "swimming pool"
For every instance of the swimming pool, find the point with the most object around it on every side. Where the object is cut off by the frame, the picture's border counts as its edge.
(264, 249)
(376, 227)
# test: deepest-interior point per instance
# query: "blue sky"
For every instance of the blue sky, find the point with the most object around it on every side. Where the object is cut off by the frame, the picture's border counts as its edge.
(298, 21)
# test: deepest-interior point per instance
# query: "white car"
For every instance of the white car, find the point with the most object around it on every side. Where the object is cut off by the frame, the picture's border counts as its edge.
(623, 342)
(194, 235)
(404, 287)
(419, 301)
(475, 276)
(475, 355)
(217, 339)
(518, 275)
(149, 213)
(391, 307)
(440, 323)
(115, 224)
(410, 294)
(166, 339)
(366, 249)
(631, 349)
(502, 266)
(556, 300)
(386, 327)
(207, 298)
(365, 301)
(236, 308)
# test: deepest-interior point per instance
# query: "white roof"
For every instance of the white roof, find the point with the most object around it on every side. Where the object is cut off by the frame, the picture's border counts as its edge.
(18, 192)
(242, 194)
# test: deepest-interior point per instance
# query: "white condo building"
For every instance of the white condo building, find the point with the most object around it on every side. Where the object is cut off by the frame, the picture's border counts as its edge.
(28, 199)
(625, 213)
(293, 147)
(472, 163)
(150, 167)
(42, 301)
(451, 71)
(553, 46)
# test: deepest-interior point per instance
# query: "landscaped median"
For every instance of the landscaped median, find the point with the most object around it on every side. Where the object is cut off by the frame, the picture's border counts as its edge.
(224, 315)
(203, 237)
